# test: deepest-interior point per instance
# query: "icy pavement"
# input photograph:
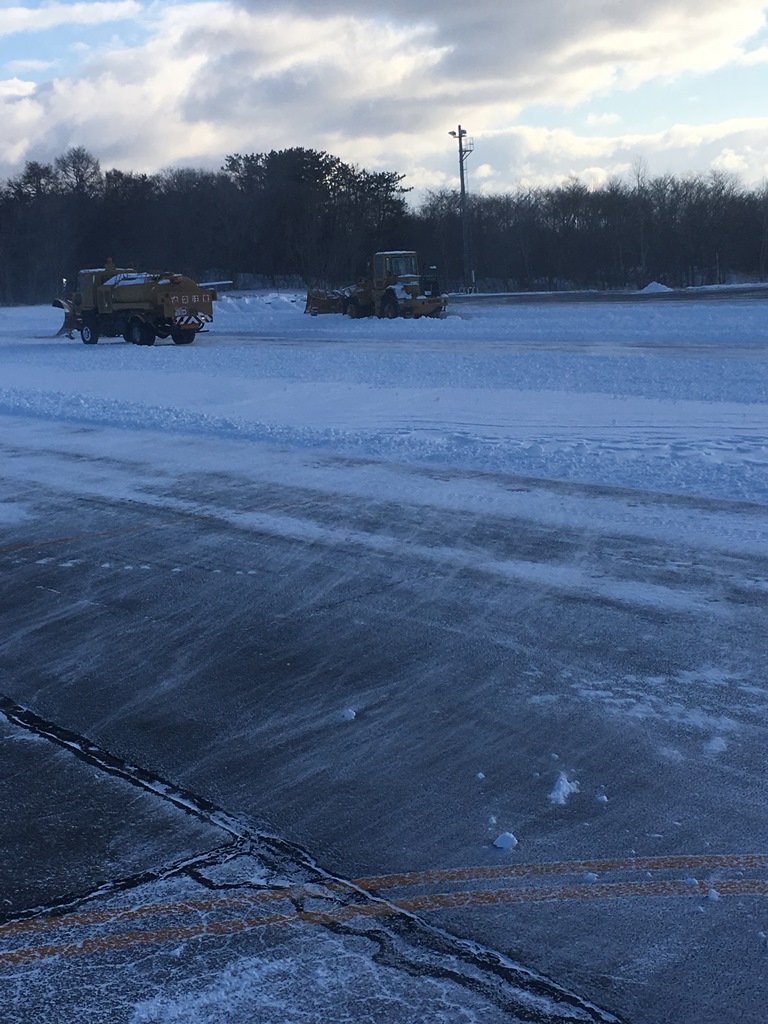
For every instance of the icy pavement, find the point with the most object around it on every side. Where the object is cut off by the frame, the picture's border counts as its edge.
(355, 601)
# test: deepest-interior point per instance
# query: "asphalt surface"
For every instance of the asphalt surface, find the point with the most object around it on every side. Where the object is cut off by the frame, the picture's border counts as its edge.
(246, 724)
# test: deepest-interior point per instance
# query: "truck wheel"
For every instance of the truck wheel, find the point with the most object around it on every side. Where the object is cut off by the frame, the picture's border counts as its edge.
(140, 333)
(389, 308)
(89, 334)
(183, 337)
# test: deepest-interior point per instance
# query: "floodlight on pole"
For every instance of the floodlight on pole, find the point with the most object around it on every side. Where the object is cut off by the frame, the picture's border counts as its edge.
(466, 146)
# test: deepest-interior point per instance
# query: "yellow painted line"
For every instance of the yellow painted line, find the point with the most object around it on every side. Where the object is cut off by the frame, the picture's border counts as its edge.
(584, 891)
(536, 893)
(703, 862)
(440, 901)
(378, 883)
(200, 906)
(202, 929)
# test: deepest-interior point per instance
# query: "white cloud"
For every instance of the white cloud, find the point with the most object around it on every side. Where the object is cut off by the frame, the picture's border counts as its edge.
(540, 156)
(756, 56)
(729, 160)
(602, 119)
(15, 87)
(380, 89)
(557, 51)
(20, 66)
(55, 15)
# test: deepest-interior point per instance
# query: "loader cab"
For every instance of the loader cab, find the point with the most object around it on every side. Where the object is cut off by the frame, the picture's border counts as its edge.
(393, 266)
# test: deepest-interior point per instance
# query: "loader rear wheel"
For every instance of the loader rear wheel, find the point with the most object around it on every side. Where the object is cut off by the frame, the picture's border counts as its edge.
(89, 334)
(183, 337)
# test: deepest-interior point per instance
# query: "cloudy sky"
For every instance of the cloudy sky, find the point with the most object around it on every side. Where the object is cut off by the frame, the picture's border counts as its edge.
(546, 88)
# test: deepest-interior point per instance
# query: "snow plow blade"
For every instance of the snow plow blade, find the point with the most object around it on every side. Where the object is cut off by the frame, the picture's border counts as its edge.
(321, 301)
(70, 318)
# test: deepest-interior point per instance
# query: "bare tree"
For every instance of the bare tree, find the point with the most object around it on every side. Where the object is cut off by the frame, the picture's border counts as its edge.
(79, 172)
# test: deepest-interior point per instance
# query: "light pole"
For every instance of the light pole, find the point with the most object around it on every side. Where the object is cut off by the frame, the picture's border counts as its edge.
(466, 146)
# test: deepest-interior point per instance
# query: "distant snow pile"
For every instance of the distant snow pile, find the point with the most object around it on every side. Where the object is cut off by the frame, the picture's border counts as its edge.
(562, 789)
(261, 303)
(654, 286)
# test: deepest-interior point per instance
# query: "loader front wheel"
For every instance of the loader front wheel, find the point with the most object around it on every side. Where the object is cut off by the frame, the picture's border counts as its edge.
(389, 308)
(89, 334)
(353, 309)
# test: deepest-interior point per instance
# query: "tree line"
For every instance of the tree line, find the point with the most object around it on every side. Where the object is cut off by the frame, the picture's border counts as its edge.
(307, 216)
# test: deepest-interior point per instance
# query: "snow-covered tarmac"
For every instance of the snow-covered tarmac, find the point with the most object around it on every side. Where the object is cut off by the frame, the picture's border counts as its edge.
(667, 397)
(507, 574)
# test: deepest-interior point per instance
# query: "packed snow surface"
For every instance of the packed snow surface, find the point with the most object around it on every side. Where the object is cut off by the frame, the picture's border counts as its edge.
(668, 396)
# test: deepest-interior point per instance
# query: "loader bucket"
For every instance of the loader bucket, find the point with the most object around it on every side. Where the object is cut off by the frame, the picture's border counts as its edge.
(321, 301)
(70, 318)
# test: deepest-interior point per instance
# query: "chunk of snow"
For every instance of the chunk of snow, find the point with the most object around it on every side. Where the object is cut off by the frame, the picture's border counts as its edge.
(602, 799)
(655, 286)
(506, 841)
(348, 715)
(590, 876)
(716, 745)
(481, 776)
(562, 789)
(713, 895)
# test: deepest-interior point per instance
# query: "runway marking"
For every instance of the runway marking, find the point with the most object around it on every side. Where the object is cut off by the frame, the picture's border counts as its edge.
(340, 915)
(182, 517)
(700, 862)
(703, 862)
(379, 907)
(77, 538)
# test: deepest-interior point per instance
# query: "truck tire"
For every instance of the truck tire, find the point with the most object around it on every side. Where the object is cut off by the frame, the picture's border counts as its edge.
(140, 333)
(89, 334)
(183, 337)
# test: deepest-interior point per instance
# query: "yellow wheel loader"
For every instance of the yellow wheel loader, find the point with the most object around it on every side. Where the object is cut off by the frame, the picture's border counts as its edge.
(392, 287)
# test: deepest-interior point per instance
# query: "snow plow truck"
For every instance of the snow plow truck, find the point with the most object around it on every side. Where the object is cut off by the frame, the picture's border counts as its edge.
(115, 302)
(392, 287)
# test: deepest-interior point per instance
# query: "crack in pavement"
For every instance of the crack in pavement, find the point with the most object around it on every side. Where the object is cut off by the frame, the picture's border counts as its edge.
(407, 943)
